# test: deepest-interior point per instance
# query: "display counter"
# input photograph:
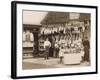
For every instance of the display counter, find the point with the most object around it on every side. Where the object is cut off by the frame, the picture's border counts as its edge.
(73, 58)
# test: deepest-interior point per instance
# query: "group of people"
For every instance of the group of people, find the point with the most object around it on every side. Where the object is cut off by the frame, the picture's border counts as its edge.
(65, 38)
(62, 44)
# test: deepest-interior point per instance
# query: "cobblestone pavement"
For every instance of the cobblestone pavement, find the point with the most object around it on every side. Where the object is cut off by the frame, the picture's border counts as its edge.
(36, 63)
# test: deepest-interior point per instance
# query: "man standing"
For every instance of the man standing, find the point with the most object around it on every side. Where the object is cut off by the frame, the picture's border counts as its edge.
(47, 45)
(86, 45)
(56, 49)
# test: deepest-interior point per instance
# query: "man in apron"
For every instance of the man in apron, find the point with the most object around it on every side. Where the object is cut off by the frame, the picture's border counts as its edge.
(47, 45)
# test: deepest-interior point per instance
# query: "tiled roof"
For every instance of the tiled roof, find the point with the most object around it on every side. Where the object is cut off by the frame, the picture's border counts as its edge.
(62, 17)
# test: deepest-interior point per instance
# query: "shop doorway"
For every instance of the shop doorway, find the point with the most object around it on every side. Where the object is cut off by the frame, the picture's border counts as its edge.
(51, 50)
(36, 43)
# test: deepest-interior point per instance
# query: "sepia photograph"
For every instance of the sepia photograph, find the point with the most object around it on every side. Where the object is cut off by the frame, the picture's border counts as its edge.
(56, 39)
(53, 40)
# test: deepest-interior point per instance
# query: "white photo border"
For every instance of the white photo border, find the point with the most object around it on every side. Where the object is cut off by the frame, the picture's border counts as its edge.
(18, 7)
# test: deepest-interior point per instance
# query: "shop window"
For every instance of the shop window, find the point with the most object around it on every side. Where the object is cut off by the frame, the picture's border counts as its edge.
(27, 36)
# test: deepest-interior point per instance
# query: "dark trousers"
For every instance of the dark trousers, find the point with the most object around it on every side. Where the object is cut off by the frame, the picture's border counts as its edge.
(47, 53)
(86, 55)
